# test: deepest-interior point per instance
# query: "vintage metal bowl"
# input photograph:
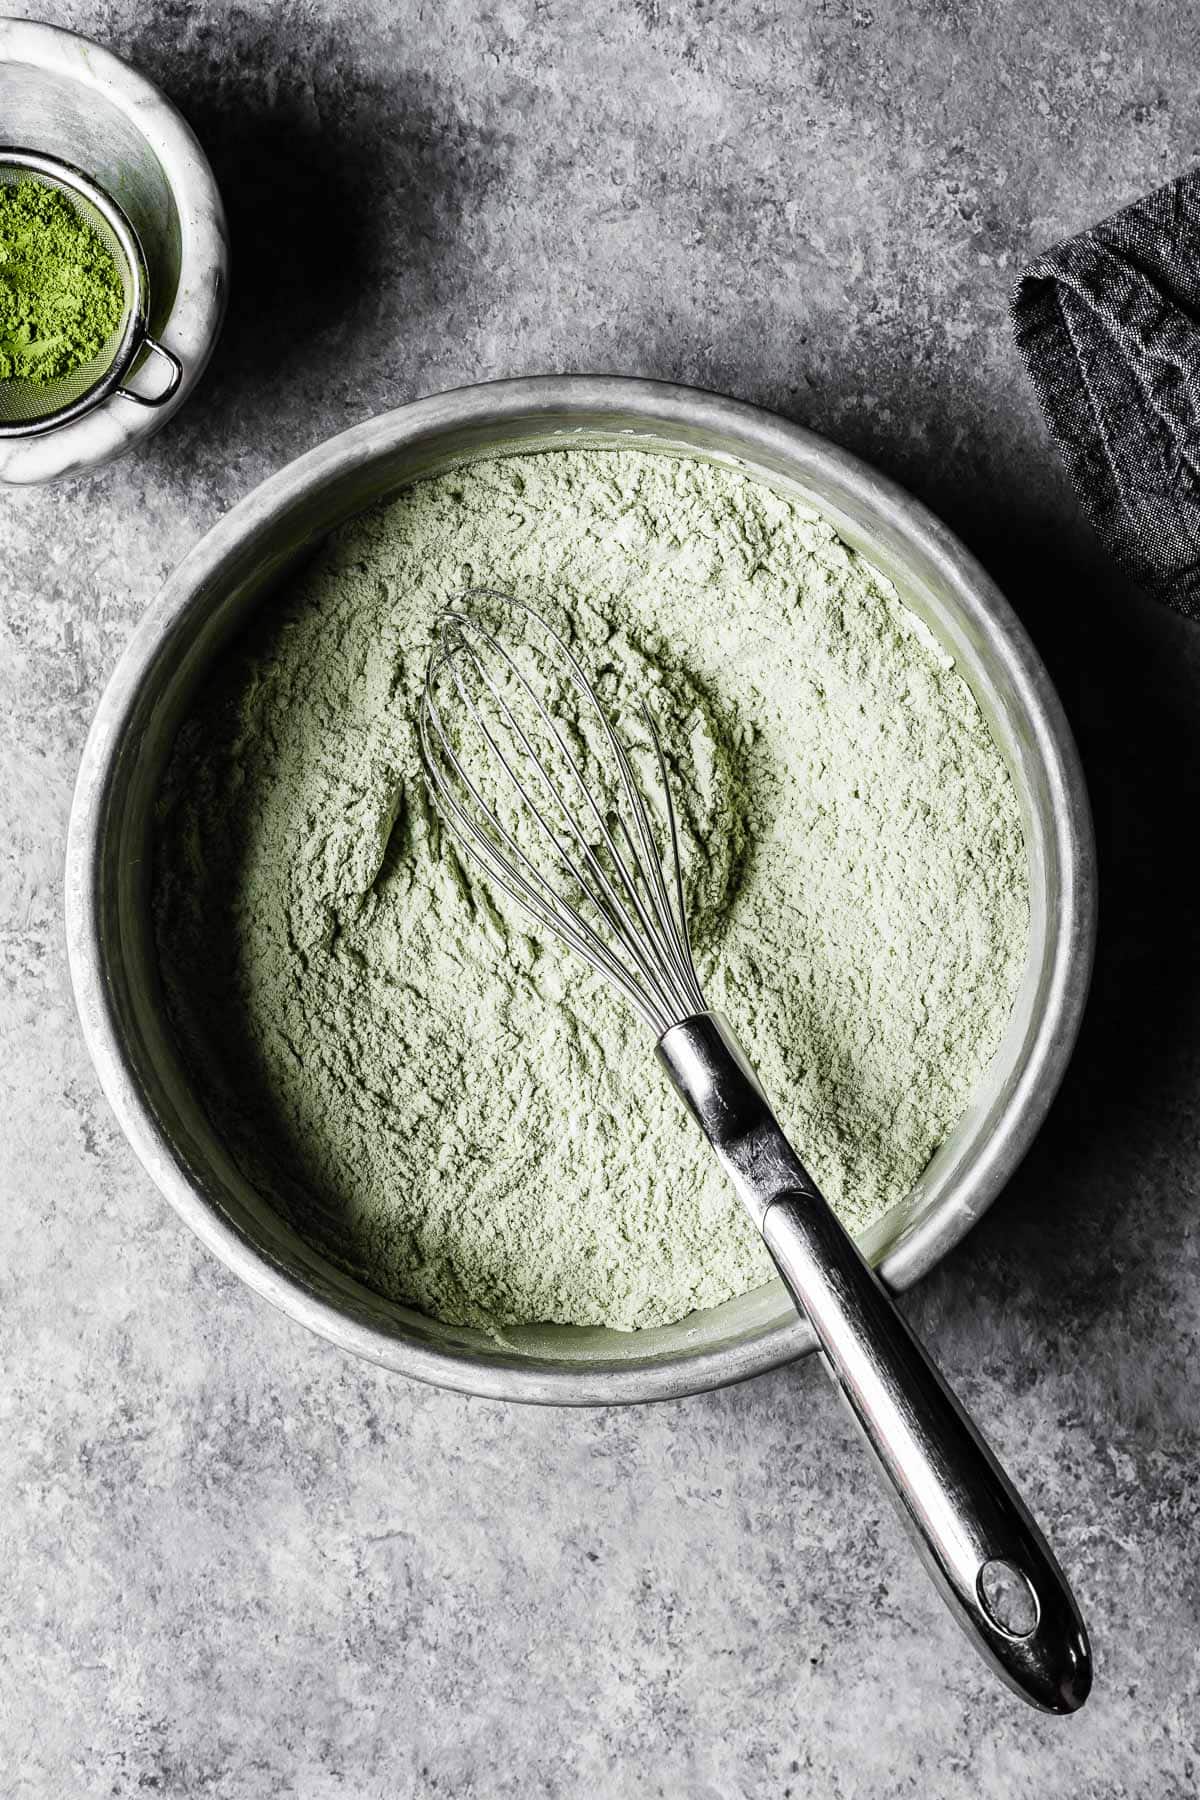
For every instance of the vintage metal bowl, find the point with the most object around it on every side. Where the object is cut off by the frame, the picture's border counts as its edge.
(209, 597)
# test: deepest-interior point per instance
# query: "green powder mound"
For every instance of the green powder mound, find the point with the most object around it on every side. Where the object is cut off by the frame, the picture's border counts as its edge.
(61, 295)
(458, 1111)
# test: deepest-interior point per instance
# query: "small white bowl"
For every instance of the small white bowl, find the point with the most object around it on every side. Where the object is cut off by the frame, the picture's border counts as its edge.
(66, 97)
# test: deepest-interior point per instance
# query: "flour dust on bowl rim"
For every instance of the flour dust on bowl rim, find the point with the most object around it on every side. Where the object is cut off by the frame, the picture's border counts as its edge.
(203, 606)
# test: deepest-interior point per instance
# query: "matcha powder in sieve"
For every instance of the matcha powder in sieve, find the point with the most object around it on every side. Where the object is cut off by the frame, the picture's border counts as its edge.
(456, 1110)
(61, 295)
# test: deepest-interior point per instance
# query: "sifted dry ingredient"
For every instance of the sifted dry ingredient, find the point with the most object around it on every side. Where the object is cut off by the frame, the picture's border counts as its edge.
(61, 296)
(454, 1109)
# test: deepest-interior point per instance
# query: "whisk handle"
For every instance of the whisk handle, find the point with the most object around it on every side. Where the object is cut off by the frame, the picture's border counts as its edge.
(979, 1542)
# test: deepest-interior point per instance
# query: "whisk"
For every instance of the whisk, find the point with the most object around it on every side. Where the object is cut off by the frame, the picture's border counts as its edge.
(574, 820)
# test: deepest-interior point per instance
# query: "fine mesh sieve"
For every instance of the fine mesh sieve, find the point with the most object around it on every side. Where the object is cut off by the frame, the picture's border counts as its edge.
(29, 407)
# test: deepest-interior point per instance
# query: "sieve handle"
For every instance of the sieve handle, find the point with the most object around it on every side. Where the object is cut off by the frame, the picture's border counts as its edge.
(990, 1561)
(175, 376)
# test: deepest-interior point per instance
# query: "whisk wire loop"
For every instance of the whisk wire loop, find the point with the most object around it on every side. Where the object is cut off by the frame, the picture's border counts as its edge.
(607, 900)
(536, 894)
(612, 859)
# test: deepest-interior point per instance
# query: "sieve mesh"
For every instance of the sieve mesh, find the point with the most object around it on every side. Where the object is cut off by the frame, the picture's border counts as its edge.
(25, 402)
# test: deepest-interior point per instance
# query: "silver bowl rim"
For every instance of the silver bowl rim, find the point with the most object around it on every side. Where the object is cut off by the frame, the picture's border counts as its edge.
(770, 436)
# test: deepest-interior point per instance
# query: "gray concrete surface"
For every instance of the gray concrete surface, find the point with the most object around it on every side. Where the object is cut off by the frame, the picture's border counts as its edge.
(235, 1565)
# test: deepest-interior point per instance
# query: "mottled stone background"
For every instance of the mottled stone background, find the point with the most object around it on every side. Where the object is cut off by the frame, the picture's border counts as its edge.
(236, 1565)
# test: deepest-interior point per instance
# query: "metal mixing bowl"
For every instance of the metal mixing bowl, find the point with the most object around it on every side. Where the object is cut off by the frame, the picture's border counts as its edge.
(209, 597)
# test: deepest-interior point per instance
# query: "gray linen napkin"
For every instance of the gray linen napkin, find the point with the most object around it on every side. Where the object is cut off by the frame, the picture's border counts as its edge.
(1108, 325)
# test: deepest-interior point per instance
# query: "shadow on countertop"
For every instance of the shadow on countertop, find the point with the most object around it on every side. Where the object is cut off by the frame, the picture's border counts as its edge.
(1095, 1226)
(343, 181)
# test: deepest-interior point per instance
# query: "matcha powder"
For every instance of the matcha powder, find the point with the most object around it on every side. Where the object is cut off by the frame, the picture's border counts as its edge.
(458, 1111)
(61, 295)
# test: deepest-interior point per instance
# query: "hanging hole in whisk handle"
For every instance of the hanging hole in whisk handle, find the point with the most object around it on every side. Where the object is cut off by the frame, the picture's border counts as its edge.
(174, 377)
(1009, 1598)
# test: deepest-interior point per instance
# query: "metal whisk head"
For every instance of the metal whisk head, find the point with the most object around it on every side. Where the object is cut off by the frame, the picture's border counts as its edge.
(537, 785)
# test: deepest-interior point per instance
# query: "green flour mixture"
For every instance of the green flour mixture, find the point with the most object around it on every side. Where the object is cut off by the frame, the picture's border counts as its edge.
(453, 1108)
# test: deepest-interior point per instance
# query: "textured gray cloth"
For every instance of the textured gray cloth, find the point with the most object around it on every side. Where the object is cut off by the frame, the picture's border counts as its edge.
(1108, 325)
